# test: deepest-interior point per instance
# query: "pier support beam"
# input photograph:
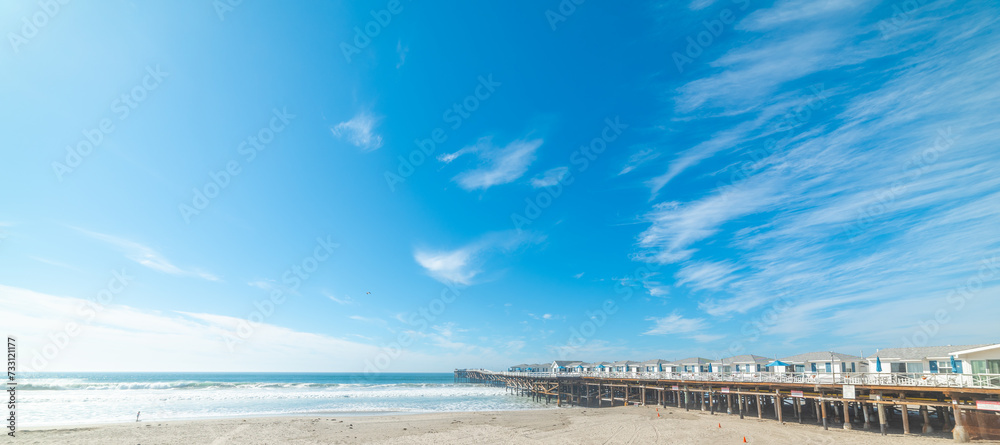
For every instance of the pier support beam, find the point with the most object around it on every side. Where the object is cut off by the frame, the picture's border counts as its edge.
(867, 414)
(777, 405)
(905, 411)
(760, 407)
(883, 422)
(926, 428)
(822, 405)
(847, 416)
(946, 424)
(959, 434)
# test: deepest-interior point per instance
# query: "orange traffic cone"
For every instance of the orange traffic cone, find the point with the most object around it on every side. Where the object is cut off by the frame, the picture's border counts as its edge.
(720, 425)
(744, 439)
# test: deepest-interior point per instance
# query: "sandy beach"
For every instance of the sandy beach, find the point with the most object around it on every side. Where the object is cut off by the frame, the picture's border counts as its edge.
(621, 425)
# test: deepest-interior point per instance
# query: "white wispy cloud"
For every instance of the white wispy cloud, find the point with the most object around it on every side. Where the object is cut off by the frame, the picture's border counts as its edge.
(550, 177)
(796, 11)
(676, 227)
(461, 265)
(675, 323)
(706, 274)
(546, 316)
(497, 165)
(360, 131)
(130, 339)
(51, 262)
(345, 299)
(697, 5)
(369, 320)
(880, 202)
(401, 50)
(146, 256)
(753, 73)
(655, 286)
(638, 159)
(453, 266)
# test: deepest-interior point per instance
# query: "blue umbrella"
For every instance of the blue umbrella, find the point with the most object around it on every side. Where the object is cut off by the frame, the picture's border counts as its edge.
(709, 367)
(878, 364)
(777, 363)
(954, 365)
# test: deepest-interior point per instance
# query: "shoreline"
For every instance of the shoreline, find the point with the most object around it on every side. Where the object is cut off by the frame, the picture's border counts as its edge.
(629, 424)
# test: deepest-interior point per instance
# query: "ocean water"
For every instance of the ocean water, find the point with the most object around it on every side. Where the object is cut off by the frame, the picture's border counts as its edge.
(77, 398)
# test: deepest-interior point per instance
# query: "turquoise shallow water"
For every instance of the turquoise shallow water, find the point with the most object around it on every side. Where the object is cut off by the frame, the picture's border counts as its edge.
(76, 398)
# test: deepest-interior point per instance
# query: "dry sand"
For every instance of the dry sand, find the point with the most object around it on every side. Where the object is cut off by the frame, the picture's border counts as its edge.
(572, 425)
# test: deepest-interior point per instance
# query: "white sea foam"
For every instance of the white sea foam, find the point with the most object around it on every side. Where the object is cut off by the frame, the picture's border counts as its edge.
(75, 401)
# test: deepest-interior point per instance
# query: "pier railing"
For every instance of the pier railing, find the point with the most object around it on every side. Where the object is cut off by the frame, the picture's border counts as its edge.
(846, 378)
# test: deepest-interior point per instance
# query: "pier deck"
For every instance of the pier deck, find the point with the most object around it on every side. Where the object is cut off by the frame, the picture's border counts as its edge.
(969, 408)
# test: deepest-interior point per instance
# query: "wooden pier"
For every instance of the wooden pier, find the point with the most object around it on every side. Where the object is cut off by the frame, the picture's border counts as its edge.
(915, 410)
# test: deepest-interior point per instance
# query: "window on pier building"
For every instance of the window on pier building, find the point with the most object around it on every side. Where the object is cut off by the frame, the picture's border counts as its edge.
(897, 367)
(829, 367)
(800, 368)
(813, 367)
(986, 366)
(758, 367)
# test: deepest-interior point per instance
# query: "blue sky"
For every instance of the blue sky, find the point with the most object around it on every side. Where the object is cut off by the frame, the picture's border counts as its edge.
(395, 186)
